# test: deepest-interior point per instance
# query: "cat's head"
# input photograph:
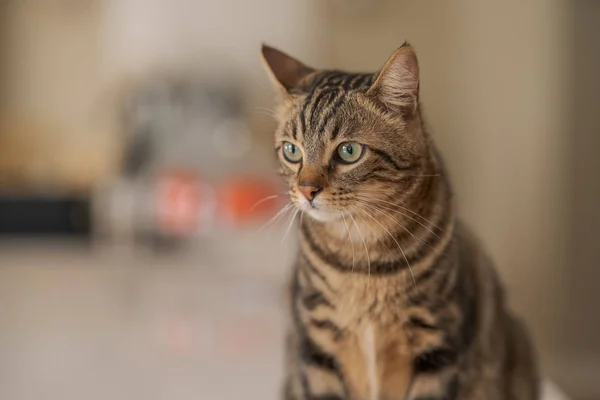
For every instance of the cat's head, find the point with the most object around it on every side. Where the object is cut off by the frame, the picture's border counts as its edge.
(348, 141)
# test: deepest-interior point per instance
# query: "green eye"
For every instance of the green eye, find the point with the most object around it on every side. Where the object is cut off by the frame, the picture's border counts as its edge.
(291, 152)
(350, 152)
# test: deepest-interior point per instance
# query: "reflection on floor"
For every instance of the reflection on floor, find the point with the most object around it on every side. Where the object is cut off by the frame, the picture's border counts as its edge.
(97, 325)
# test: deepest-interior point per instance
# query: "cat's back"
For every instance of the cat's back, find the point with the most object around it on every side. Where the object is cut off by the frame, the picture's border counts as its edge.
(502, 343)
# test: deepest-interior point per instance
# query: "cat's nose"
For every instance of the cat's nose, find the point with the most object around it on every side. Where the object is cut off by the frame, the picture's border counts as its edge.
(310, 190)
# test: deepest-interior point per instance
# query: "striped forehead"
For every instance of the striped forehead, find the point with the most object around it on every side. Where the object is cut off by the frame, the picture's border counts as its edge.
(315, 124)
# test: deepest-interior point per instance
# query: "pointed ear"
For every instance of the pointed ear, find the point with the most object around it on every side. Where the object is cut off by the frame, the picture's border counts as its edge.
(397, 85)
(286, 71)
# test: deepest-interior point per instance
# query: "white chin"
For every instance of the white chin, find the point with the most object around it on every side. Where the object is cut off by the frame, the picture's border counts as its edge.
(321, 215)
(317, 212)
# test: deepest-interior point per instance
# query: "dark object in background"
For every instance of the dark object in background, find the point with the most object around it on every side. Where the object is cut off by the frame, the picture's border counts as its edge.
(185, 121)
(44, 216)
(139, 152)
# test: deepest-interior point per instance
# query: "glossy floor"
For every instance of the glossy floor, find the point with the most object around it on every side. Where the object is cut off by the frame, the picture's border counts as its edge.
(97, 325)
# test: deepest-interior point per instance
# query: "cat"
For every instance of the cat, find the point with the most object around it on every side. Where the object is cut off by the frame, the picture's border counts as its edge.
(391, 296)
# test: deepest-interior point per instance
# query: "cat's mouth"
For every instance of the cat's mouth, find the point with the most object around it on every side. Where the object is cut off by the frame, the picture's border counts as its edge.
(317, 209)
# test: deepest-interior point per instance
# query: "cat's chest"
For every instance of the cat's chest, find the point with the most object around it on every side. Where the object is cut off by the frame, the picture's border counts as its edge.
(369, 301)
(375, 351)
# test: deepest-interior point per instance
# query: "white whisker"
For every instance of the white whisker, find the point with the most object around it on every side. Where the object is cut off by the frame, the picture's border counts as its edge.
(349, 236)
(266, 111)
(396, 205)
(373, 202)
(400, 247)
(377, 209)
(373, 231)
(283, 210)
(364, 243)
(263, 200)
(290, 224)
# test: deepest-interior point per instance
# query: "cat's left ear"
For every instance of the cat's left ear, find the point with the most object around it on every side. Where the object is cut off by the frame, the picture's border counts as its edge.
(286, 71)
(397, 85)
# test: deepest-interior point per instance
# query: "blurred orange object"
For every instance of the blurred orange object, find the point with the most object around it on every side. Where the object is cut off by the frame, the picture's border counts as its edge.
(244, 199)
(178, 202)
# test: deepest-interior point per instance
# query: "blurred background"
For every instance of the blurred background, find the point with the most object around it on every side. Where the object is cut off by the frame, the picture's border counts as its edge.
(135, 137)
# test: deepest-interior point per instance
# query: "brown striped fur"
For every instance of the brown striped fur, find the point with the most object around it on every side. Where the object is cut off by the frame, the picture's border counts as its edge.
(391, 296)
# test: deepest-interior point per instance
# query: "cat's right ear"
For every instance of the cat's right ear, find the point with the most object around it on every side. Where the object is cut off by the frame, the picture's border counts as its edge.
(397, 85)
(285, 71)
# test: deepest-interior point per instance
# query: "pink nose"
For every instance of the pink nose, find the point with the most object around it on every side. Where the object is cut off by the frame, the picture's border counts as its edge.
(309, 190)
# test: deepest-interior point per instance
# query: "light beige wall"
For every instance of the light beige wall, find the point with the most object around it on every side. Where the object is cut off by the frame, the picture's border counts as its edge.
(493, 89)
(53, 131)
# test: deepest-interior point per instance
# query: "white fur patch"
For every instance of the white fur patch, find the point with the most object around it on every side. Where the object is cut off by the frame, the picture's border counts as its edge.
(370, 353)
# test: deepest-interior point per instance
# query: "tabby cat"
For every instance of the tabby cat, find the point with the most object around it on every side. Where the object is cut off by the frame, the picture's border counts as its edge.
(391, 296)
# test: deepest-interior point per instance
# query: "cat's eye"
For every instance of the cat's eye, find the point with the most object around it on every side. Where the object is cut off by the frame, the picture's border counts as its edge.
(291, 152)
(350, 152)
